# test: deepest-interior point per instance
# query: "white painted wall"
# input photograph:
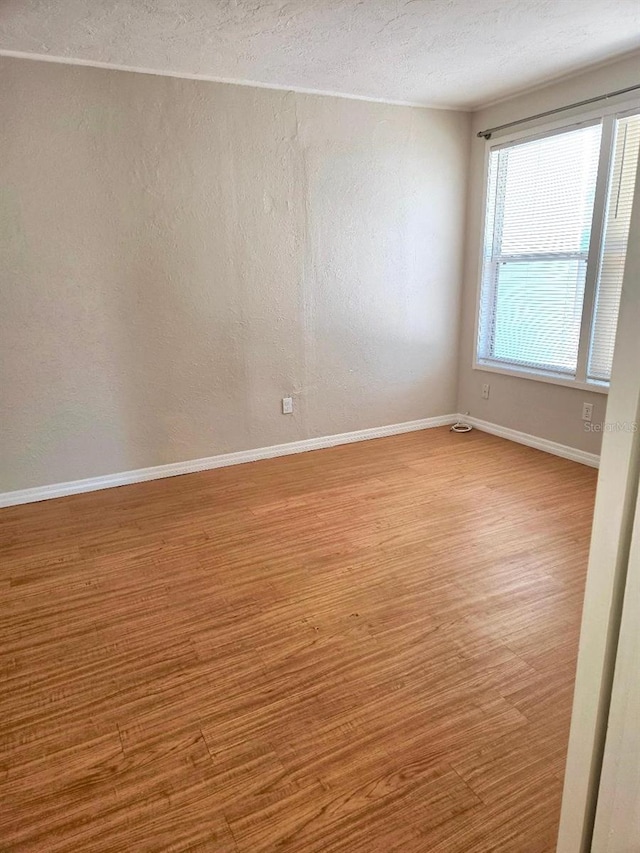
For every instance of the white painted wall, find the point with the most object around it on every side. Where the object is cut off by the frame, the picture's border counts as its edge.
(608, 561)
(178, 255)
(617, 826)
(549, 411)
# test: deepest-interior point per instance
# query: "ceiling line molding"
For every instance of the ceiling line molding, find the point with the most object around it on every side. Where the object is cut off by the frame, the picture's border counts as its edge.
(252, 84)
(559, 78)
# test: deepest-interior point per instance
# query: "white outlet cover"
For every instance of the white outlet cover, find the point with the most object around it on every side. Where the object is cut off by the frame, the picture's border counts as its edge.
(587, 411)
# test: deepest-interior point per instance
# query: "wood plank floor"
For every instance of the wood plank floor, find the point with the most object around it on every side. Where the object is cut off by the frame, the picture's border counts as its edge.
(366, 648)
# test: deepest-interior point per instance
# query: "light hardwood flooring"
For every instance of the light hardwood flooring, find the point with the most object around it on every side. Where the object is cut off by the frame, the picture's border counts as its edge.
(367, 648)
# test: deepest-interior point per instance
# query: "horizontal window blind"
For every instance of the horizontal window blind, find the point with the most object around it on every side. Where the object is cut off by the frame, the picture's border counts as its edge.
(614, 248)
(538, 228)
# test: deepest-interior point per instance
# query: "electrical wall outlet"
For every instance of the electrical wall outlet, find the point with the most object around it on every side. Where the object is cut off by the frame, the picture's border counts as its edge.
(287, 405)
(485, 391)
(587, 412)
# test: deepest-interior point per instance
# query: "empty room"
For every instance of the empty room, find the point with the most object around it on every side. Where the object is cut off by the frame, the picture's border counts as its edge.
(319, 404)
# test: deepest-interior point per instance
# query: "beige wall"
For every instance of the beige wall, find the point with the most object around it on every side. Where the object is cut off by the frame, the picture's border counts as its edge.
(178, 255)
(549, 411)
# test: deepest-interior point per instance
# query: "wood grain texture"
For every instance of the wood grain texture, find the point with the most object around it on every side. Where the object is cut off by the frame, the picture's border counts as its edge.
(366, 648)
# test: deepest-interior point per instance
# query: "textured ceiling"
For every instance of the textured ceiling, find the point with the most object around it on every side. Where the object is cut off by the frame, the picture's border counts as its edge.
(438, 52)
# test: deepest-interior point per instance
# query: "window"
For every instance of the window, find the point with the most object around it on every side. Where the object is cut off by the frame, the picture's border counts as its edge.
(556, 231)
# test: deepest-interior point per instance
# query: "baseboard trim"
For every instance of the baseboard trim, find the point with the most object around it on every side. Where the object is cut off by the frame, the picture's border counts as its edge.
(174, 469)
(591, 459)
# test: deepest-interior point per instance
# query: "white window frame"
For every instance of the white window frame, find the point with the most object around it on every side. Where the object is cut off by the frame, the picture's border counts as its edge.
(608, 115)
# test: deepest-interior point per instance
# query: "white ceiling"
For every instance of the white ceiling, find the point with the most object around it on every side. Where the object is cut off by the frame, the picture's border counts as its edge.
(459, 53)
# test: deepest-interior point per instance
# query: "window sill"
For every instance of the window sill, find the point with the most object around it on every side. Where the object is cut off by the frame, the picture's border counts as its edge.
(538, 376)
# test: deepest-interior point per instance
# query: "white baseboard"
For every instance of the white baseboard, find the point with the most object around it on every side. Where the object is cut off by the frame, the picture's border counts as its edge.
(563, 450)
(107, 481)
(173, 469)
